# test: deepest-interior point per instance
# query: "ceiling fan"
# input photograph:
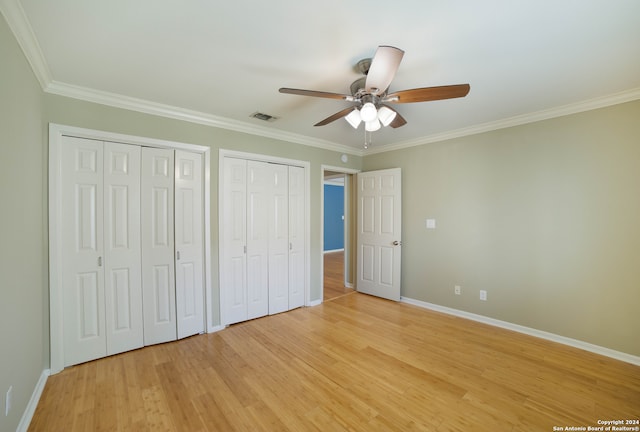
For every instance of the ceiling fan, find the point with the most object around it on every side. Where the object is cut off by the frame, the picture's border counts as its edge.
(370, 93)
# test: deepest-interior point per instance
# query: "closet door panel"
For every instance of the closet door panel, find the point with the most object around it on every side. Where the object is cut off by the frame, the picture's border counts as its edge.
(258, 197)
(234, 221)
(123, 280)
(158, 272)
(297, 267)
(278, 234)
(189, 244)
(82, 248)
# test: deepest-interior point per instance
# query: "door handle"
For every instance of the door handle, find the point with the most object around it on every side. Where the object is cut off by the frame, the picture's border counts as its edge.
(397, 243)
(99, 261)
(178, 255)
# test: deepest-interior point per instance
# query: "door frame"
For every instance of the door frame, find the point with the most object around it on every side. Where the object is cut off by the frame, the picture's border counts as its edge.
(347, 218)
(56, 312)
(222, 153)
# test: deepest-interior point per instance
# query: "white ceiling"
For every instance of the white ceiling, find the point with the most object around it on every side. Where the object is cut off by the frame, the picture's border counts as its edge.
(218, 62)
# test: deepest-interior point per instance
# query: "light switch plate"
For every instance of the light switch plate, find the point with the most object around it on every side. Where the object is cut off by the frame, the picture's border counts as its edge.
(431, 224)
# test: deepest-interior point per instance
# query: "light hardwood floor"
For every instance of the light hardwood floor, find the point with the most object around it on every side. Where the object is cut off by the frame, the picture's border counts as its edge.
(334, 276)
(356, 363)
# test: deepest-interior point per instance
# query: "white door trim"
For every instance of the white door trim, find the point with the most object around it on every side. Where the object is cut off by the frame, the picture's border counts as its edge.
(347, 216)
(307, 223)
(56, 132)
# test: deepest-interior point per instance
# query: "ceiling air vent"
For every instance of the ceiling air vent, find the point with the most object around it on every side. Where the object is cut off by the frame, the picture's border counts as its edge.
(263, 117)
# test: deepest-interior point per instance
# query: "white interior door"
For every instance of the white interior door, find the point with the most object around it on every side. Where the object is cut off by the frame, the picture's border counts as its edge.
(297, 266)
(234, 239)
(158, 273)
(82, 249)
(258, 197)
(379, 233)
(278, 219)
(122, 262)
(189, 243)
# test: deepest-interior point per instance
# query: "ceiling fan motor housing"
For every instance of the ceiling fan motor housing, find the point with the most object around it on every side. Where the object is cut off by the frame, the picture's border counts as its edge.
(357, 87)
(363, 66)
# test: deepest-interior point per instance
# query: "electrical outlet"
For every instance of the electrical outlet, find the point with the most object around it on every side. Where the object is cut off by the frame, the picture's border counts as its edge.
(457, 290)
(8, 401)
(483, 295)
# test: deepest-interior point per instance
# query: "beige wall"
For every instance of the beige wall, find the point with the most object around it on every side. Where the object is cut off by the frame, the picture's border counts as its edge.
(544, 216)
(24, 349)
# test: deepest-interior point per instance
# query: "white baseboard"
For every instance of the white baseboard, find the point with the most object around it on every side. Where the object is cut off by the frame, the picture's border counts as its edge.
(333, 250)
(618, 355)
(314, 303)
(25, 421)
(348, 285)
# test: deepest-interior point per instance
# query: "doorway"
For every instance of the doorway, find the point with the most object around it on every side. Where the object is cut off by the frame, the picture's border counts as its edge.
(338, 232)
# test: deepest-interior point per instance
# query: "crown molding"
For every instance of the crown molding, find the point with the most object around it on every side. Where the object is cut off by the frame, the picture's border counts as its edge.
(591, 104)
(19, 25)
(169, 111)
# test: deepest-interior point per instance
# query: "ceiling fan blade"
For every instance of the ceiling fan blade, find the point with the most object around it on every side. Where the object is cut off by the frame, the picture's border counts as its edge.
(398, 120)
(334, 117)
(315, 93)
(425, 94)
(383, 68)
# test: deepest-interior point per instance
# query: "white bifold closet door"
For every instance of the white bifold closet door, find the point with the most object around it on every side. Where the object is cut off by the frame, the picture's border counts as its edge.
(189, 238)
(263, 219)
(297, 243)
(158, 269)
(132, 247)
(278, 236)
(234, 256)
(172, 244)
(102, 293)
(257, 243)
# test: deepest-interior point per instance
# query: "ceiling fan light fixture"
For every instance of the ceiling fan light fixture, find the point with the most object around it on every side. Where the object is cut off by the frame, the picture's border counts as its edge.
(353, 118)
(368, 112)
(372, 126)
(386, 115)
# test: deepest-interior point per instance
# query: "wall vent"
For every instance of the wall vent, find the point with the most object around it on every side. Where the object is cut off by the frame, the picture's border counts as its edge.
(263, 117)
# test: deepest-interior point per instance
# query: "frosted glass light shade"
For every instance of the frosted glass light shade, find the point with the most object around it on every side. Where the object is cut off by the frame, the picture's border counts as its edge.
(386, 115)
(372, 126)
(353, 118)
(368, 112)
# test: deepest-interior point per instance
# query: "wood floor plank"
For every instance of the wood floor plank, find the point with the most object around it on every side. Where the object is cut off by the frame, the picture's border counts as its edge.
(355, 363)
(334, 276)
